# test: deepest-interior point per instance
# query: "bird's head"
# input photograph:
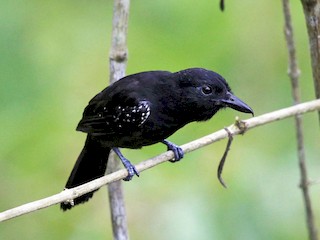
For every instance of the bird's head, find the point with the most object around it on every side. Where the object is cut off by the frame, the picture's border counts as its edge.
(205, 92)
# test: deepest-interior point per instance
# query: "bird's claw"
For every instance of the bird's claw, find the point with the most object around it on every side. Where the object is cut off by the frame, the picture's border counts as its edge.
(178, 154)
(131, 172)
(127, 164)
(177, 151)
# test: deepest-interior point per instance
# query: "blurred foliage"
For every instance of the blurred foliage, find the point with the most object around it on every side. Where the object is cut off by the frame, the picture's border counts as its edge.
(54, 58)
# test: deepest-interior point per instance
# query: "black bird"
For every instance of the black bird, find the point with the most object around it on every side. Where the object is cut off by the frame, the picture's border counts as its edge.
(143, 109)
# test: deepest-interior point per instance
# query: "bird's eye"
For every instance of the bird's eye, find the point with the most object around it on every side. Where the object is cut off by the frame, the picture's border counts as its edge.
(206, 90)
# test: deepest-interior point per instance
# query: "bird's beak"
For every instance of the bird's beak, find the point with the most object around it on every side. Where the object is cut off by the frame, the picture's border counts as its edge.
(234, 102)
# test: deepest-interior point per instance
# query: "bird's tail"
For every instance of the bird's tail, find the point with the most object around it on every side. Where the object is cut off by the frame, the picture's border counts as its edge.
(91, 164)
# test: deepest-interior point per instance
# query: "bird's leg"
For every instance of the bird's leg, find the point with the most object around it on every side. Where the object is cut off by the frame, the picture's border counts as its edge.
(127, 164)
(177, 151)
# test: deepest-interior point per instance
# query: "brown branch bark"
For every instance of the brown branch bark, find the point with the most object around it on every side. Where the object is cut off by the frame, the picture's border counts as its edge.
(311, 10)
(118, 61)
(294, 73)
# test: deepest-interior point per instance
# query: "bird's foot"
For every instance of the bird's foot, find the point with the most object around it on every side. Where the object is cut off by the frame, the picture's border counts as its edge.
(177, 151)
(127, 164)
(131, 171)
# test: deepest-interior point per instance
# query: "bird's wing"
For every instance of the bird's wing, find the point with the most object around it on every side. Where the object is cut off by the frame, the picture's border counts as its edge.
(104, 118)
(124, 106)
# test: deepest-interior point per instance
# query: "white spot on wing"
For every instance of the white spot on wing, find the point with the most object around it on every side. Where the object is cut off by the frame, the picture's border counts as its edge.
(130, 116)
(145, 109)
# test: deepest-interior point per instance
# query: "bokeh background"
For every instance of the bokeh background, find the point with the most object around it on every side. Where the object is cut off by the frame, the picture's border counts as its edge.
(54, 58)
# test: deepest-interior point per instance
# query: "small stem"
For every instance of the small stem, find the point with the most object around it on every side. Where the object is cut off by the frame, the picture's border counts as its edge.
(223, 159)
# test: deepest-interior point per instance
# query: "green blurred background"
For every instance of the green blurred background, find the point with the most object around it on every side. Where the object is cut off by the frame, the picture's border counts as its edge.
(54, 58)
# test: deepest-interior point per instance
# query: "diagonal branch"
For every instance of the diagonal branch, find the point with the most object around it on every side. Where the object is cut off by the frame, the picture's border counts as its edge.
(238, 128)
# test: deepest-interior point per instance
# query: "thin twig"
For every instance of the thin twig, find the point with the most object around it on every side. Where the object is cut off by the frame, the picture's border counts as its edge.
(223, 159)
(191, 146)
(118, 61)
(294, 73)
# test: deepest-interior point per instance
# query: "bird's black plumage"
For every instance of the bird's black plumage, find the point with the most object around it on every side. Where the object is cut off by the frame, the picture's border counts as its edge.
(143, 109)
